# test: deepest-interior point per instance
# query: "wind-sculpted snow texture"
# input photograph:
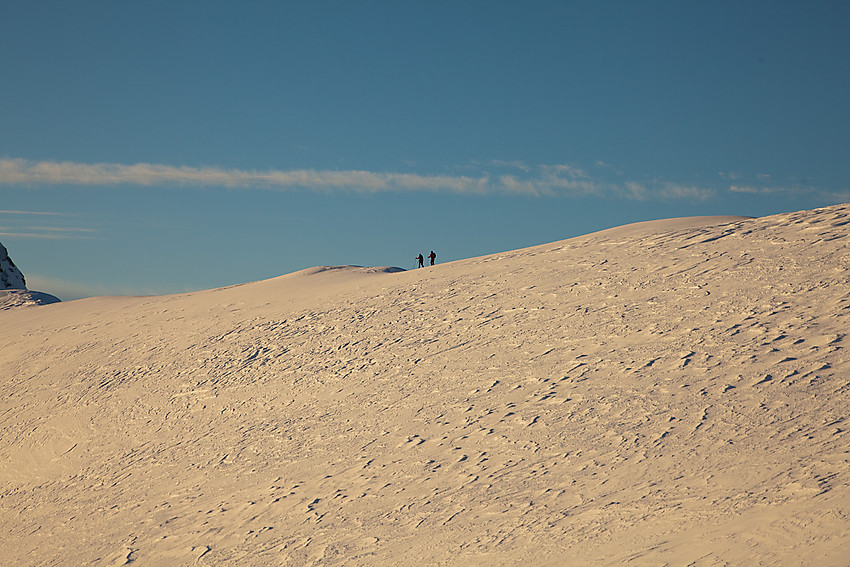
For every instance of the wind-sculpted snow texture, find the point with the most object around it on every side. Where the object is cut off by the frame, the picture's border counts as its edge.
(668, 393)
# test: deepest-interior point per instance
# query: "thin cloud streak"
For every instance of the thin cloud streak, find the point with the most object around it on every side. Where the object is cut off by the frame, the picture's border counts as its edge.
(47, 232)
(23, 172)
(534, 181)
(59, 229)
(827, 196)
(758, 190)
(52, 235)
(28, 213)
(38, 235)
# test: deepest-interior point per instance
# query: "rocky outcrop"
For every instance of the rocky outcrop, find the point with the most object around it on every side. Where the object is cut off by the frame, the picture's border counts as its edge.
(10, 276)
(13, 286)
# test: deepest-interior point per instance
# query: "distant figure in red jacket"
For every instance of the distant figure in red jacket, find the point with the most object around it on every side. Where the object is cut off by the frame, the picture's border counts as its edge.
(432, 256)
(421, 260)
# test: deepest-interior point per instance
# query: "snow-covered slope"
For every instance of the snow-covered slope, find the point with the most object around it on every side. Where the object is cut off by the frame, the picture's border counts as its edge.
(673, 393)
(10, 276)
(15, 298)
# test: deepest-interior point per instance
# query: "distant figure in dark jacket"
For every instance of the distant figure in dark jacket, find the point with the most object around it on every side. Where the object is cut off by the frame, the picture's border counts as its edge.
(421, 260)
(432, 256)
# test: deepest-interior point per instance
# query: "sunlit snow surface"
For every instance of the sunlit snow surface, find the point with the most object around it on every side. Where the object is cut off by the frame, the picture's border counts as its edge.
(673, 393)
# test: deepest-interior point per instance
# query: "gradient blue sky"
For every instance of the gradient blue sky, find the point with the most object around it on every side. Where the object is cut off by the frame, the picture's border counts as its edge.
(156, 147)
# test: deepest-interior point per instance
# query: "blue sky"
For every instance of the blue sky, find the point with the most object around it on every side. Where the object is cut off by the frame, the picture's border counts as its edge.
(158, 147)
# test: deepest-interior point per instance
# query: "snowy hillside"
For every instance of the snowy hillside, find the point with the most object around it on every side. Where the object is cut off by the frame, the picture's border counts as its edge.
(668, 393)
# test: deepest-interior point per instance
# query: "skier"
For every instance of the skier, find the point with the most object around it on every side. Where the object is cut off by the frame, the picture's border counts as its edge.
(432, 256)
(421, 260)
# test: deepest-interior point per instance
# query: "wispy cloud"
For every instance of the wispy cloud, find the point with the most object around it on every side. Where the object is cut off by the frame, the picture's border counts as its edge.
(28, 235)
(19, 224)
(826, 196)
(46, 233)
(678, 191)
(758, 190)
(24, 172)
(663, 190)
(755, 189)
(496, 177)
(510, 164)
(27, 213)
